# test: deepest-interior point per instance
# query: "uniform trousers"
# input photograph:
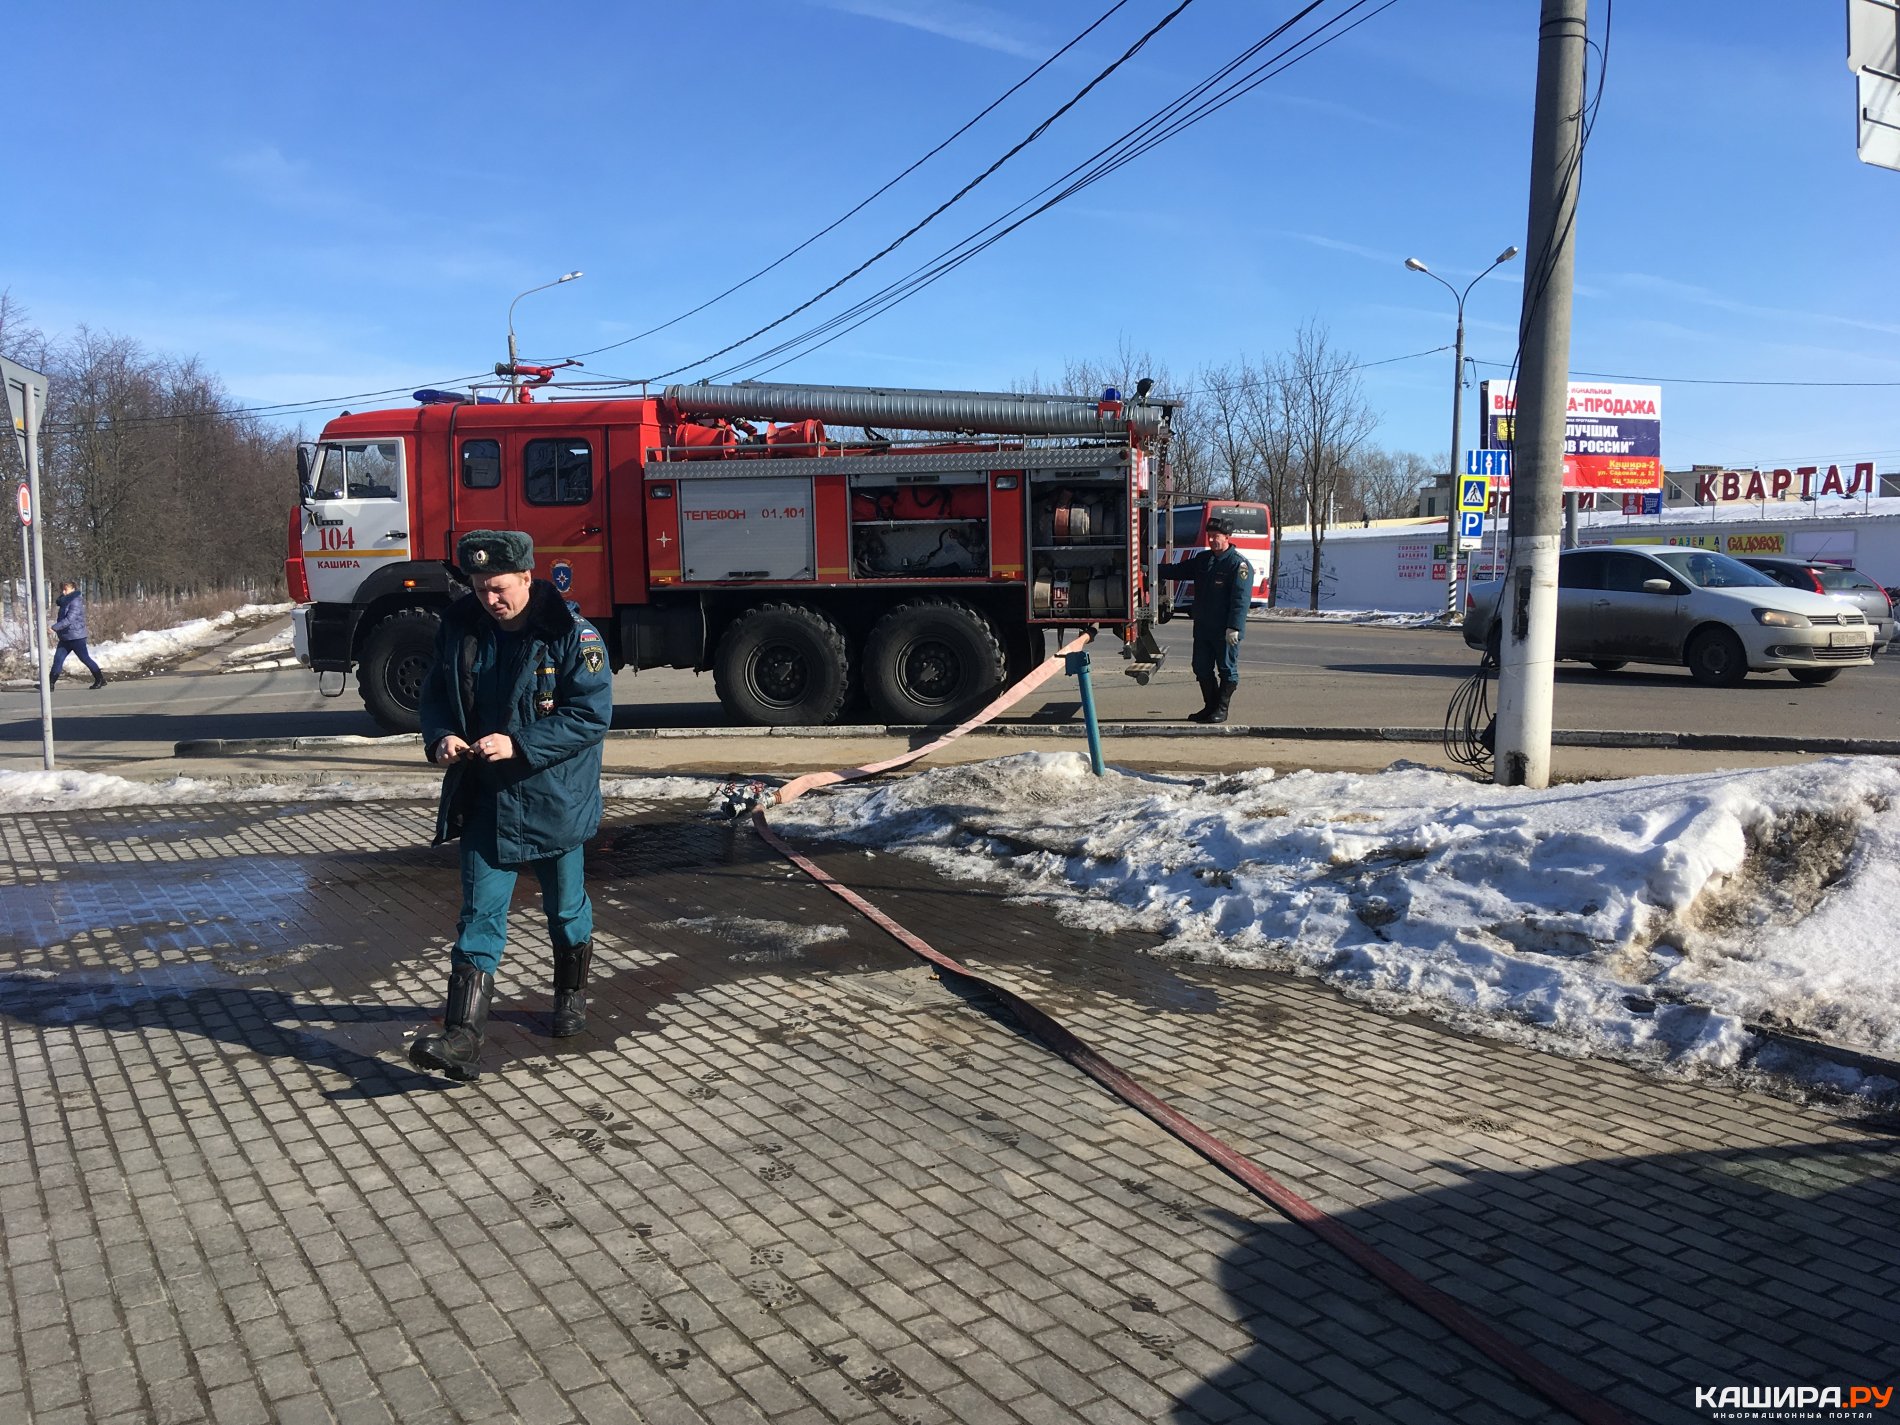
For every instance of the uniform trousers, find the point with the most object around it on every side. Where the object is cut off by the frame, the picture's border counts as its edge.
(1214, 656)
(488, 885)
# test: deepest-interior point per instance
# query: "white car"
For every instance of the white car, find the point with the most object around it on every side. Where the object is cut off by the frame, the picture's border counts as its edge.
(1658, 603)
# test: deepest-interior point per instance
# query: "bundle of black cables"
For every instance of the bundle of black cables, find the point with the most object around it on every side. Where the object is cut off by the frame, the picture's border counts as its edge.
(1470, 726)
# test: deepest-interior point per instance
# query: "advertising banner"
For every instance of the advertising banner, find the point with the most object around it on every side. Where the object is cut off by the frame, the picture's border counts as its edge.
(1612, 432)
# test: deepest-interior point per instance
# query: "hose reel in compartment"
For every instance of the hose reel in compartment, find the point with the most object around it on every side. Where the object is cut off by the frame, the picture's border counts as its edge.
(1079, 557)
(934, 526)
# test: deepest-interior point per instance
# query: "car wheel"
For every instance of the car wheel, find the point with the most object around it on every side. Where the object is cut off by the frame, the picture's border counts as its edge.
(1814, 677)
(782, 665)
(1716, 658)
(1609, 665)
(396, 658)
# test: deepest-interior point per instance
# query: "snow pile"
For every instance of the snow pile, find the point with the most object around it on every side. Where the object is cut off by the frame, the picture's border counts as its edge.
(158, 647)
(71, 791)
(164, 647)
(1660, 919)
(278, 650)
(1379, 618)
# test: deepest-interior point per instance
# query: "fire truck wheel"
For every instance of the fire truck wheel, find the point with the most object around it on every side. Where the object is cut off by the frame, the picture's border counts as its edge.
(782, 665)
(931, 661)
(396, 656)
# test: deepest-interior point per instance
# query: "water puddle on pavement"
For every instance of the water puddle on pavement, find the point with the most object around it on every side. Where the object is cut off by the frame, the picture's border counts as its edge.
(242, 914)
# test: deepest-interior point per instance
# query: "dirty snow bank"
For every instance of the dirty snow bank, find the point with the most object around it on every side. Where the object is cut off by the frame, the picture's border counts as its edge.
(1655, 919)
(71, 791)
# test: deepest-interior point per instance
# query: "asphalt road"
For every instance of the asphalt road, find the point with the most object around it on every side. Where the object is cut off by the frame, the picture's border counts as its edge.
(1294, 673)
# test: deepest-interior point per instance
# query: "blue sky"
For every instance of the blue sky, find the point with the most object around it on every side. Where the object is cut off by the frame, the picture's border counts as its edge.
(321, 199)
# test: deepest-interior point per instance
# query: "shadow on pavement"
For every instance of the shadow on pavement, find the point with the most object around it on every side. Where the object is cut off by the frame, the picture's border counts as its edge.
(263, 1020)
(1638, 1278)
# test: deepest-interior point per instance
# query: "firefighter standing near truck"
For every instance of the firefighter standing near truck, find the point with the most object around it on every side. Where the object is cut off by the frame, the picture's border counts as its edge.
(1223, 590)
(515, 706)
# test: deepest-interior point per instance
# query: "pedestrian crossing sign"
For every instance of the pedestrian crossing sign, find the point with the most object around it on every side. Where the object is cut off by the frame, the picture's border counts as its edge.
(1474, 493)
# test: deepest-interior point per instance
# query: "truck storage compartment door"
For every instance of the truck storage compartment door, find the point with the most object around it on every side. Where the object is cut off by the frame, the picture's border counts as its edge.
(745, 527)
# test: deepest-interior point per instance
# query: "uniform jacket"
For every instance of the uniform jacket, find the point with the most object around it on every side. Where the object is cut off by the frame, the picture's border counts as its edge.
(70, 622)
(547, 796)
(1223, 588)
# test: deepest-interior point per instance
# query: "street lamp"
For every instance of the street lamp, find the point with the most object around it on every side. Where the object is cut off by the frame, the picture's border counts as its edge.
(1457, 408)
(564, 277)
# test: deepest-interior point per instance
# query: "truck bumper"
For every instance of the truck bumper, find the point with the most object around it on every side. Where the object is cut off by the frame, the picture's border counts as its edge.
(323, 634)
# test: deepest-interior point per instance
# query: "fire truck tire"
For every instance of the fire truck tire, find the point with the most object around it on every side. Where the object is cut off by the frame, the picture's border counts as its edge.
(931, 661)
(782, 665)
(396, 656)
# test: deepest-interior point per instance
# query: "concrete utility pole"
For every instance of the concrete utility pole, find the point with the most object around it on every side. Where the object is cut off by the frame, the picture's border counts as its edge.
(1526, 681)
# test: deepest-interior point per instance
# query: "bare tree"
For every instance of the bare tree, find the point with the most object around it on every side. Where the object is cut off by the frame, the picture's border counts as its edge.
(151, 483)
(1328, 422)
(1270, 431)
(1225, 398)
(1385, 483)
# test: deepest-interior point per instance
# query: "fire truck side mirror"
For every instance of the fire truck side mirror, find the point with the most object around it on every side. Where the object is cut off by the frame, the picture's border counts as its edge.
(306, 460)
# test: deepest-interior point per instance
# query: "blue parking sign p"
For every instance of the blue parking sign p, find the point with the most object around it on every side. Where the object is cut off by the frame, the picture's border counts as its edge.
(1471, 524)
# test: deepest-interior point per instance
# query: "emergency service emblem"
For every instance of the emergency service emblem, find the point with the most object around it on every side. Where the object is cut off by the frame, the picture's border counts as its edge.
(563, 575)
(478, 558)
(593, 658)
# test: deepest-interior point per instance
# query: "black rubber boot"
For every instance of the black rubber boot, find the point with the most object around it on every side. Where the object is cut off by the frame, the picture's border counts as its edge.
(570, 989)
(97, 683)
(1210, 695)
(1226, 696)
(458, 1048)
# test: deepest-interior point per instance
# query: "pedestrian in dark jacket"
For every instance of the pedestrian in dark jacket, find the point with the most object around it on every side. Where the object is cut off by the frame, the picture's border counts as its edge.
(515, 707)
(1223, 590)
(69, 627)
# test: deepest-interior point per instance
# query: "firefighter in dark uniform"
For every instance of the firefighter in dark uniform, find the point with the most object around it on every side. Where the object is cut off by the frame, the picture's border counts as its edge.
(1223, 588)
(515, 705)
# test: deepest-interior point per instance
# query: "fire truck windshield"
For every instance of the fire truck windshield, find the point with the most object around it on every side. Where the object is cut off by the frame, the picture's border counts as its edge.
(368, 471)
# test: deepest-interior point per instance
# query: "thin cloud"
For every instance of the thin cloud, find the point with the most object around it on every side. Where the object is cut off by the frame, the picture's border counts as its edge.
(1704, 297)
(966, 24)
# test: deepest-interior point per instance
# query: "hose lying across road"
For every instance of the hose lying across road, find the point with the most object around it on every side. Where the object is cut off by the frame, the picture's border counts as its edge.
(1449, 1312)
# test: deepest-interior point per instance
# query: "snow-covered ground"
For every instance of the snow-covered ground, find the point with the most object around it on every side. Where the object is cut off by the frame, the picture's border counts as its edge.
(1662, 920)
(1381, 618)
(155, 648)
(70, 791)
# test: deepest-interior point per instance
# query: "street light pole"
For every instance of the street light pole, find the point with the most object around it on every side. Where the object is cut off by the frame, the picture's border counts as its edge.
(1457, 418)
(512, 356)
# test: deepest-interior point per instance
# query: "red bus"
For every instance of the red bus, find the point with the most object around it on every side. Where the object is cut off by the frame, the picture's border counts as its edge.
(1253, 536)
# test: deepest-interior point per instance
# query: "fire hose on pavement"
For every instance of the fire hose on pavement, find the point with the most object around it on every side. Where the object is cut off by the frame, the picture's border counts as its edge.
(1445, 1309)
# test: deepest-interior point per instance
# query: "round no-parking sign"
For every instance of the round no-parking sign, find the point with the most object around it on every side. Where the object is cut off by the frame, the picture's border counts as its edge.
(24, 499)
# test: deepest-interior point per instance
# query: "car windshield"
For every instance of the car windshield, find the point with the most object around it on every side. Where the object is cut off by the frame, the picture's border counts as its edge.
(1713, 571)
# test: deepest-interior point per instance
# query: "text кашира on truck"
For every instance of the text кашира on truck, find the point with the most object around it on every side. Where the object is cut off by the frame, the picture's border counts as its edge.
(727, 528)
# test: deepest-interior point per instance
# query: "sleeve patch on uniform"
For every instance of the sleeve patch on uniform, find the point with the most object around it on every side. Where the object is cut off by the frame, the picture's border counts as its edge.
(593, 658)
(588, 635)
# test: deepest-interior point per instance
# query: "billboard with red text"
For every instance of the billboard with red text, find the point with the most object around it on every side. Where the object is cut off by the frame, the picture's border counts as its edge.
(1612, 432)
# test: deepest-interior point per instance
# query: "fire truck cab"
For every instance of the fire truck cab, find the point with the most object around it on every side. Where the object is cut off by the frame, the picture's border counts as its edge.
(729, 529)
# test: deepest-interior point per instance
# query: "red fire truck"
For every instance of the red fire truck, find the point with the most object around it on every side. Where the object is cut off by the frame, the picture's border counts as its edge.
(728, 528)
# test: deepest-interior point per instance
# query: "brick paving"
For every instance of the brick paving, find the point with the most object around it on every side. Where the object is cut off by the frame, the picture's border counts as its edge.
(791, 1176)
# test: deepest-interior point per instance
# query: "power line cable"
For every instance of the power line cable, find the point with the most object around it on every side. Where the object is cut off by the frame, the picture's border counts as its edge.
(840, 221)
(1710, 380)
(248, 412)
(944, 206)
(1159, 126)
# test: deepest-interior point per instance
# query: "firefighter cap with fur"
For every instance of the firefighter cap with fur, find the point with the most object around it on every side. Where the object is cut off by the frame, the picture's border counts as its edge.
(1219, 524)
(494, 551)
